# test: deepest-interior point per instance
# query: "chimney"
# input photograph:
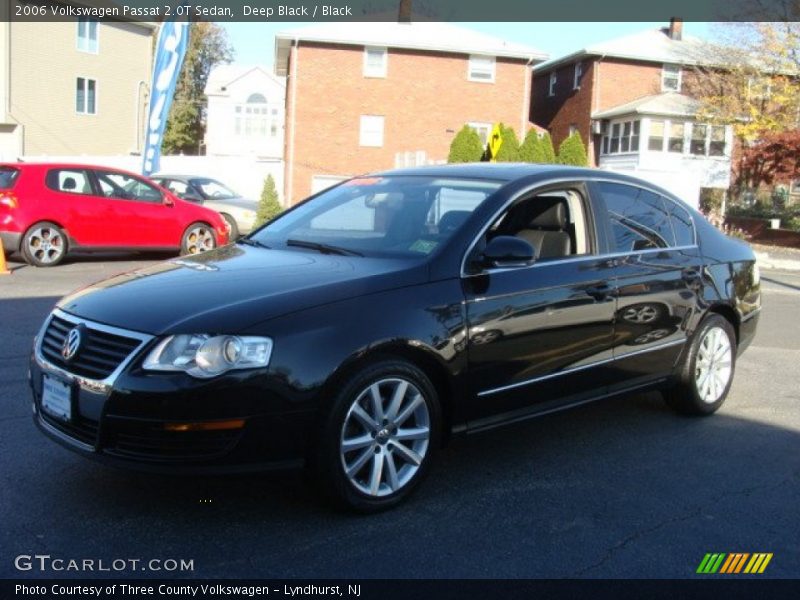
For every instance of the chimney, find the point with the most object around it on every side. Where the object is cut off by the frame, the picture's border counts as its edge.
(675, 29)
(404, 14)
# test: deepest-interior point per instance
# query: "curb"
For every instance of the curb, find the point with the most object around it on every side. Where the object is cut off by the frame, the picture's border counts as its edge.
(783, 264)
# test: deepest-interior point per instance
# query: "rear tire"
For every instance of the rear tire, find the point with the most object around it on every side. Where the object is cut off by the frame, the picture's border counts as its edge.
(44, 245)
(198, 238)
(707, 372)
(380, 437)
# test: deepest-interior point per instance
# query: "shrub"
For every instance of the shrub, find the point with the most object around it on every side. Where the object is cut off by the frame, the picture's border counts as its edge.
(547, 152)
(573, 152)
(465, 147)
(529, 151)
(269, 206)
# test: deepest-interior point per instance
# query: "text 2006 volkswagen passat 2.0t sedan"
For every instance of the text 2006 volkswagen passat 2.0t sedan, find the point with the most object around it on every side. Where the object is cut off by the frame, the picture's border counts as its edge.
(359, 330)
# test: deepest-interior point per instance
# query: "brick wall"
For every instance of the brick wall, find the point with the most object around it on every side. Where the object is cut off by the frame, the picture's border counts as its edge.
(604, 84)
(425, 99)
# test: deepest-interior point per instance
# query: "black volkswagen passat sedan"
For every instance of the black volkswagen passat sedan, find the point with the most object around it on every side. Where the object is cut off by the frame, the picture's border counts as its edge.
(358, 331)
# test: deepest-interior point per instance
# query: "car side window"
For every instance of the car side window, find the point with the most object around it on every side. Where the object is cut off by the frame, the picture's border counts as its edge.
(122, 186)
(179, 188)
(639, 219)
(71, 181)
(682, 224)
(553, 222)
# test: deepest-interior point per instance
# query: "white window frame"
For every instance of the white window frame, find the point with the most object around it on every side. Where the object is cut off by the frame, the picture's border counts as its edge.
(368, 134)
(551, 90)
(371, 71)
(86, 81)
(668, 69)
(606, 140)
(707, 142)
(478, 127)
(84, 44)
(489, 67)
(576, 78)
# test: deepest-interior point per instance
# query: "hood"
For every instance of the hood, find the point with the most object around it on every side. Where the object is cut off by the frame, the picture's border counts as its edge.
(234, 287)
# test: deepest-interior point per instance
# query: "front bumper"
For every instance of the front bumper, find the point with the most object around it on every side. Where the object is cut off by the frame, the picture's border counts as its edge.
(170, 422)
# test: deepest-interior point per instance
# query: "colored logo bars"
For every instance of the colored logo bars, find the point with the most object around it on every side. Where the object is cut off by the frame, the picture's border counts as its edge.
(737, 562)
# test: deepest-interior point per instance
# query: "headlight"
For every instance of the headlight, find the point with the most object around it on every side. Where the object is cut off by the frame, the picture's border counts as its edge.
(205, 356)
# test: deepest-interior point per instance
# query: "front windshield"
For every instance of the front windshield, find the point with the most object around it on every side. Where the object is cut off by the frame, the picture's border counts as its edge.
(213, 189)
(402, 216)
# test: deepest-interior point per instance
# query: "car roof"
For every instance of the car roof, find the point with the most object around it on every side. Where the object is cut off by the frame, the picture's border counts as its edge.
(509, 172)
(59, 165)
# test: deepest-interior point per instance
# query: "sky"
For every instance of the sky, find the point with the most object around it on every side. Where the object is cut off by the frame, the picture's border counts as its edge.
(254, 43)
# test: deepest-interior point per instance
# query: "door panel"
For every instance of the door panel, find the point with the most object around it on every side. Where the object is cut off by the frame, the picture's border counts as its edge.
(142, 217)
(658, 293)
(86, 216)
(539, 336)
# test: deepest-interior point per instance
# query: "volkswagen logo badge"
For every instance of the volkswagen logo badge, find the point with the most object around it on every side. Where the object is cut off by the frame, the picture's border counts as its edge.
(72, 343)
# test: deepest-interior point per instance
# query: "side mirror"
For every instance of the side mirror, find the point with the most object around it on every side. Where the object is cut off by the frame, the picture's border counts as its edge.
(508, 251)
(168, 201)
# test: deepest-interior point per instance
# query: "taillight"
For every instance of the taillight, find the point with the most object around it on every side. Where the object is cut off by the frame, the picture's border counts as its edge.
(8, 200)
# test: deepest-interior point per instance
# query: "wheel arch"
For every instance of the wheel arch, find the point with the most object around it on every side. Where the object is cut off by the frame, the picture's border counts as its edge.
(728, 313)
(425, 359)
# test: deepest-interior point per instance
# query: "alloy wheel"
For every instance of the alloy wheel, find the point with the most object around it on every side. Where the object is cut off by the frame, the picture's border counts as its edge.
(713, 366)
(46, 245)
(199, 239)
(385, 437)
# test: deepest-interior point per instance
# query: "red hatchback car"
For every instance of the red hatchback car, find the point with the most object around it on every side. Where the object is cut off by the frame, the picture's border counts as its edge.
(48, 210)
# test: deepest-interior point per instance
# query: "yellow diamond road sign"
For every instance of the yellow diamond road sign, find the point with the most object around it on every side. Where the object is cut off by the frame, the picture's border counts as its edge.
(495, 141)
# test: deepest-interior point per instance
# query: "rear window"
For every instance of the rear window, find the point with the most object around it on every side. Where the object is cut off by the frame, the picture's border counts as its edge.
(8, 177)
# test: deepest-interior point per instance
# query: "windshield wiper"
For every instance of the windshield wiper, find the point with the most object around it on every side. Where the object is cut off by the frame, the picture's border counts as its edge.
(252, 242)
(324, 248)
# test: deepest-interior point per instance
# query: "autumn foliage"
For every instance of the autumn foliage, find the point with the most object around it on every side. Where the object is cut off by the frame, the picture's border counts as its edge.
(773, 159)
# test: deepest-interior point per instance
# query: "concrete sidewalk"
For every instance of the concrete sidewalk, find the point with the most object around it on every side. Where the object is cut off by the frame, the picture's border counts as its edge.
(777, 257)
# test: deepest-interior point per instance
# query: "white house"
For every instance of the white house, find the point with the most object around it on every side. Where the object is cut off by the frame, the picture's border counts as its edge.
(658, 138)
(245, 112)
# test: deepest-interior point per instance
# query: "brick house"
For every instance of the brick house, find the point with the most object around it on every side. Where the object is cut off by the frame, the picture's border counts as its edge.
(629, 99)
(367, 96)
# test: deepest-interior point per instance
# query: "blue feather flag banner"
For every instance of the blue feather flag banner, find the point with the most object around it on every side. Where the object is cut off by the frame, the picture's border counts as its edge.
(170, 52)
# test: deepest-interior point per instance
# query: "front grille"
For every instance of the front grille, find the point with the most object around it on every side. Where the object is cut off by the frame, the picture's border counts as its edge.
(149, 440)
(100, 352)
(80, 428)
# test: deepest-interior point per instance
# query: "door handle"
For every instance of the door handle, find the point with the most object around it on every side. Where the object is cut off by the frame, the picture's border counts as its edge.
(601, 291)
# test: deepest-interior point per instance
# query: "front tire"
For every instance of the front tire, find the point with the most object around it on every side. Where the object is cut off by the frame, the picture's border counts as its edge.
(44, 245)
(707, 373)
(234, 234)
(198, 238)
(380, 437)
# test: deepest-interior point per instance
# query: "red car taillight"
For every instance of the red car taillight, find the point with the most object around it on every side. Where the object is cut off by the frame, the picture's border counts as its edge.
(8, 200)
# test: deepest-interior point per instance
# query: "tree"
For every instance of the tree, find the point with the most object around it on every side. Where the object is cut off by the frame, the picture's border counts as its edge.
(268, 205)
(509, 149)
(573, 152)
(465, 147)
(530, 151)
(207, 47)
(773, 159)
(752, 86)
(547, 154)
